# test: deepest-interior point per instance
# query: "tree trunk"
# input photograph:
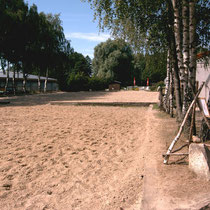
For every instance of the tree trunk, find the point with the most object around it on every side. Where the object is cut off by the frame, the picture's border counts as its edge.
(24, 79)
(171, 96)
(7, 78)
(176, 82)
(174, 59)
(24, 82)
(177, 34)
(3, 65)
(39, 83)
(45, 82)
(13, 83)
(185, 21)
(192, 45)
(167, 87)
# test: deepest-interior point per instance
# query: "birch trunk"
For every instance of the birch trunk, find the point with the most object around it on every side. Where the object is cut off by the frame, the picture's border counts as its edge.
(7, 78)
(192, 45)
(24, 82)
(3, 65)
(167, 88)
(185, 21)
(13, 82)
(24, 79)
(171, 96)
(45, 82)
(177, 34)
(176, 83)
(174, 59)
(39, 83)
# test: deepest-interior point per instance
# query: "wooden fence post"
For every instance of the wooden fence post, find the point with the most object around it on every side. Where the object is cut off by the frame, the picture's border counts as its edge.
(182, 126)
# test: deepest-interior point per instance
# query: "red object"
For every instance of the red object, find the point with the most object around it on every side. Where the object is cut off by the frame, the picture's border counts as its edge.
(147, 81)
(134, 81)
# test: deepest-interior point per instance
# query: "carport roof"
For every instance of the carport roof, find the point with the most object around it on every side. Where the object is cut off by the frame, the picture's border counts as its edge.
(20, 76)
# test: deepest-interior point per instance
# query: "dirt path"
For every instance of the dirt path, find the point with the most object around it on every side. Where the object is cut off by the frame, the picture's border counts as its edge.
(66, 157)
(77, 158)
(90, 157)
(173, 186)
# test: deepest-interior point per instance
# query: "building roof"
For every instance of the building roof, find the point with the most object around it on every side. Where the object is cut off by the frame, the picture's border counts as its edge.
(20, 76)
(203, 54)
(115, 82)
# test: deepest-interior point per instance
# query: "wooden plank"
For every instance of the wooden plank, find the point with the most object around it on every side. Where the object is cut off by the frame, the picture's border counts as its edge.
(180, 148)
(175, 154)
(203, 105)
(192, 124)
(182, 125)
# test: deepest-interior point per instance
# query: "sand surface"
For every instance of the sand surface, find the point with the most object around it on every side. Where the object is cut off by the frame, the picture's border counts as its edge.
(86, 157)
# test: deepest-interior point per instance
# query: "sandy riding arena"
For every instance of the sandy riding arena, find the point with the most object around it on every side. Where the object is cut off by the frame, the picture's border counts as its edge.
(87, 157)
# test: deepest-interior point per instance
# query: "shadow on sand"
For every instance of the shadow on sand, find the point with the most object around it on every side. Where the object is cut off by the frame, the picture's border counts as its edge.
(42, 99)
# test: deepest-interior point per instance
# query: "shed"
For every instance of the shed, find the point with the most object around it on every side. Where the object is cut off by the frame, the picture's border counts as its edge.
(32, 82)
(203, 75)
(114, 86)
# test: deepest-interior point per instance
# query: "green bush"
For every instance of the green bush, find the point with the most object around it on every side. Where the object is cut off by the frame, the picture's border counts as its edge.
(155, 86)
(96, 83)
(77, 82)
(81, 82)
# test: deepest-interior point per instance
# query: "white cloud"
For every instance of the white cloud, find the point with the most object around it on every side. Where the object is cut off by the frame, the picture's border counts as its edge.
(93, 37)
(89, 52)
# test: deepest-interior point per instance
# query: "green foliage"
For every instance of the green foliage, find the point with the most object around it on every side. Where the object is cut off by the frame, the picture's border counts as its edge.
(113, 60)
(79, 63)
(158, 84)
(77, 82)
(152, 66)
(139, 64)
(96, 83)
(81, 82)
(155, 68)
(33, 41)
(75, 66)
(142, 22)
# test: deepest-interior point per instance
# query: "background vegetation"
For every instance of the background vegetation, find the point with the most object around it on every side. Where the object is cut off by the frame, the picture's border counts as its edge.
(34, 43)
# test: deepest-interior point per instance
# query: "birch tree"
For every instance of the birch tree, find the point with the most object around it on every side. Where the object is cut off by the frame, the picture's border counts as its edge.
(185, 23)
(166, 104)
(192, 44)
(161, 25)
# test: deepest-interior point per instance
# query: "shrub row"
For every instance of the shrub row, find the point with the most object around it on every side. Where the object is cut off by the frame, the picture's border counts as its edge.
(81, 82)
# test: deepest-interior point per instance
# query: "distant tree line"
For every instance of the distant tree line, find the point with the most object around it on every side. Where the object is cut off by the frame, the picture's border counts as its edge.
(116, 60)
(34, 43)
(179, 27)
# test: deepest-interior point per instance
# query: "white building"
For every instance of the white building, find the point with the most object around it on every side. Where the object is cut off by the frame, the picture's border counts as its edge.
(203, 75)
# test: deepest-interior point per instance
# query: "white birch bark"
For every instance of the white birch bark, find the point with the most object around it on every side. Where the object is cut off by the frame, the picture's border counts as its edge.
(24, 83)
(177, 33)
(171, 95)
(45, 82)
(185, 23)
(13, 82)
(167, 87)
(24, 80)
(39, 83)
(7, 78)
(192, 44)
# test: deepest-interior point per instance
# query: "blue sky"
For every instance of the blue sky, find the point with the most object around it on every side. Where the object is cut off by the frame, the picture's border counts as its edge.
(77, 21)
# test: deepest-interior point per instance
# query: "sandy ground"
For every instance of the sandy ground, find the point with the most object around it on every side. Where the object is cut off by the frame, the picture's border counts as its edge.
(90, 157)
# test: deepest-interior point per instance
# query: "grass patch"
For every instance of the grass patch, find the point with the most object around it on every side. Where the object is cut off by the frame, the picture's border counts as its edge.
(156, 107)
